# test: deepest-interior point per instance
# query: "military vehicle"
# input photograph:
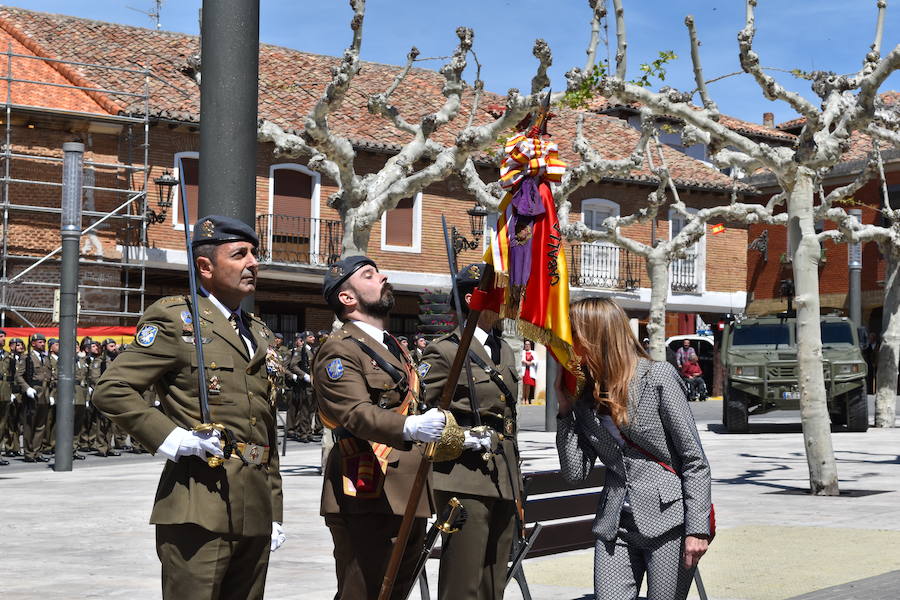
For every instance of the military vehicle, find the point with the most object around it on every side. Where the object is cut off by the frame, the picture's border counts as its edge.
(759, 357)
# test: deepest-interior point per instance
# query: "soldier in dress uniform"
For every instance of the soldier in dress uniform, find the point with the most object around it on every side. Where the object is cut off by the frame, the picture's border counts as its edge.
(215, 525)
(419, 345)
(33, 376)
(368, 395)
(82, 385)
(486, 480)
(102, 427)
(48, 446)
(299, 370)
(5, 396)
(14, 423)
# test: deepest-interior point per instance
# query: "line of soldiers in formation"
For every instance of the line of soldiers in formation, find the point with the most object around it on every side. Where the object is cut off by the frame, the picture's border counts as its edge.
(28, 384)
(290, 370)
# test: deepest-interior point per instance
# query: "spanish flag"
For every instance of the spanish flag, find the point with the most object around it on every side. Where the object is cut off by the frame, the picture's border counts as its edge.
(720, 228)
(527, 252)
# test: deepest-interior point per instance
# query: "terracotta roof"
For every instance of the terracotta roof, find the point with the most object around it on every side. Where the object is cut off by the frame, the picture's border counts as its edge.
(291, 81)
(600, 104)
(889, 98)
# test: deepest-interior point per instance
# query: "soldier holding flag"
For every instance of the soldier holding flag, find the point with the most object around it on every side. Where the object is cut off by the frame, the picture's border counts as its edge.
(215, 525)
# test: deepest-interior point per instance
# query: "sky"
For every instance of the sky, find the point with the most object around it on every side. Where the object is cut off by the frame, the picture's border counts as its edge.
(800, 34)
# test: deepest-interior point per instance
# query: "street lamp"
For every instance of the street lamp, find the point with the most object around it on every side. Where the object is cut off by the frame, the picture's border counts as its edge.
(165, 183)
(477, 215)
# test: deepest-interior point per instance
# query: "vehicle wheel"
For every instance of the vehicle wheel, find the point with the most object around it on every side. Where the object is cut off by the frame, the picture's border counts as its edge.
(736, 412)
(857, 411)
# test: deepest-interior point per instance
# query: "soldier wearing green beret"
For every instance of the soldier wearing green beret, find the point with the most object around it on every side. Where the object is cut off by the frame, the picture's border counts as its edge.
(15, 421)
(215, 525)
(485, 479)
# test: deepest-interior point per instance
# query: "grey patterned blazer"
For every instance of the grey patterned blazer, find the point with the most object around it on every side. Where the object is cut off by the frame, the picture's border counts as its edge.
(660, 422)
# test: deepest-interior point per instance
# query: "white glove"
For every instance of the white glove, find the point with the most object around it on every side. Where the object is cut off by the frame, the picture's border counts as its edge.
(87, 403)
(477, 440)
(182, 442)
(90, 391)
(294, 375)
(307, 378)
(31, 392)
(12, 397)
(156, 403)
(52, 400)
(278, 536)
(424, 428)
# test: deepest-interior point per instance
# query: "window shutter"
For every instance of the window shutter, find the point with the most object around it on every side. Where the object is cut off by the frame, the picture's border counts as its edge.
(398, 224)
(189, 172)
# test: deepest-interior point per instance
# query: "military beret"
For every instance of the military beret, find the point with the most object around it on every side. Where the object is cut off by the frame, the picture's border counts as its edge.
(109, 341)
(340, 271)
(402, 338)
(280, 336)
(469, 276)
(305, 334)
(16, 341)
(323, 333)
(217, 229)
(37, 336)
(52, 341)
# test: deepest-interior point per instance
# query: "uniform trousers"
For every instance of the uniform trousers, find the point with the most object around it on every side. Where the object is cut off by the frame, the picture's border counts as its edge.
(6, 409)
(305, 410)
(197, 563)
(620, 565)
(362, 550)
(34, 427)
(474, 560)
(11, 435)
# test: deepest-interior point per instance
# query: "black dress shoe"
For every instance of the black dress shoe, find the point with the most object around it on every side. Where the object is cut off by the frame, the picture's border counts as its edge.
(28, 459)
(40, 459)
(114, 453)
(3, 462)
(127, 448)
(78, 456)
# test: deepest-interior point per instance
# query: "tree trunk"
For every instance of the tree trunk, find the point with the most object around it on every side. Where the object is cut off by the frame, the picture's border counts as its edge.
(658, 270)
(886, 375)
(823, 480)
(355, 239)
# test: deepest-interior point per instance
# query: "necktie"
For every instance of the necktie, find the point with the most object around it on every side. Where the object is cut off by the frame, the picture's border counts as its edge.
(494, 344)
(243, 331)
(393, 346)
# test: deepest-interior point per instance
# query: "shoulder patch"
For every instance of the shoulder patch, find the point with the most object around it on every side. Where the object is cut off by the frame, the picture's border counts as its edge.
(335, 369)
(146, 336)
(186, 317)
(423, 369)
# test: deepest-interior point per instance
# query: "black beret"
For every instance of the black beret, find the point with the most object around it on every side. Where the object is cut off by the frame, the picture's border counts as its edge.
(402, 338)
(280, 336)
(305, 334)
(468, 277)
(340, 271)
(16, 341)
(109, 341)
(52, 341)
(216, 229)
(37, 336)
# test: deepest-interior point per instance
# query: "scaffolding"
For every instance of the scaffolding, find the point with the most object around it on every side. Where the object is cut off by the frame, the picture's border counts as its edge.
(22, 292)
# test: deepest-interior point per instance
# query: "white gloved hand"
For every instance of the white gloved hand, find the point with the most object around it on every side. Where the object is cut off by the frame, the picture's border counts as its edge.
(424, 428)
(156, 403)
(12, 397)
(477, 440)
(90, 391)
(278, 536)
(307, 378)
(294, 375)
(52, 400)
(31, 392)
(199, 443)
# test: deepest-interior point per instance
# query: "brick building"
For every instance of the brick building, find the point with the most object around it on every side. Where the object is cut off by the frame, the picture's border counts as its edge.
(120, 90)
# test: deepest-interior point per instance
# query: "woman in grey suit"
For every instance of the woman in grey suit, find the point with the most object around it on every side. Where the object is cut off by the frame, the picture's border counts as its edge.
(653, 517)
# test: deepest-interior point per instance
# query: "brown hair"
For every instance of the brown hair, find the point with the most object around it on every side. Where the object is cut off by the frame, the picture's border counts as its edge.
(610, 351)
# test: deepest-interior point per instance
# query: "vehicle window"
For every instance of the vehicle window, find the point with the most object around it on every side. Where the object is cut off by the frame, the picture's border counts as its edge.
(837, 333)
(767, 334)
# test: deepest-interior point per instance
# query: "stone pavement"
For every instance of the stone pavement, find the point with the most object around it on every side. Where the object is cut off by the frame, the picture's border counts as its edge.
(84, 534)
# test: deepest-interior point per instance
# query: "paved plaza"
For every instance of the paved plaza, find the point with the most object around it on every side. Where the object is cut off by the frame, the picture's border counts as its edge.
(84, 534)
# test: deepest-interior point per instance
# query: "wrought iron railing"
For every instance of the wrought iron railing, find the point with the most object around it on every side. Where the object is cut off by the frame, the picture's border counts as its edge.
(298, 240)
(684, 275)
(601, 265)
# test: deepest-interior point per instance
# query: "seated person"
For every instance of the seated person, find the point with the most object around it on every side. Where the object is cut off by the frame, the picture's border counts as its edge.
(693, 375)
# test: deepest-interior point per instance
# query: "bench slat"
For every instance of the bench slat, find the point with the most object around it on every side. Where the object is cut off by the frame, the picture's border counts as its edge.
(563, 537)
(548, 482)
(561, 507)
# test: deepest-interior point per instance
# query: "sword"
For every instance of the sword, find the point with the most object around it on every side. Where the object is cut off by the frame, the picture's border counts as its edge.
(450, 522)
(523, 551)
(207, 423)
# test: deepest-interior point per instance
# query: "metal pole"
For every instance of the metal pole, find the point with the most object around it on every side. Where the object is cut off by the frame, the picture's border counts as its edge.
(854, 263)
(70, 226)
(551, 407)
(229, 47)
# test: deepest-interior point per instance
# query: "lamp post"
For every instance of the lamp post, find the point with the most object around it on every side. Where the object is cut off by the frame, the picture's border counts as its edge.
(854, 265)
(70, 230)
(477, 215)
(165, 183)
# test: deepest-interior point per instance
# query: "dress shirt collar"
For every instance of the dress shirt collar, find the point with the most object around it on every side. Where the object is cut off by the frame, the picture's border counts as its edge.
(224, 309)
(374, 332)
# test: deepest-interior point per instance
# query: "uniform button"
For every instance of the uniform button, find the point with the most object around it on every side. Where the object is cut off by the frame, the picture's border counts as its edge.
(250, 395)
(249, 370)
(213, 365)
(252, 420)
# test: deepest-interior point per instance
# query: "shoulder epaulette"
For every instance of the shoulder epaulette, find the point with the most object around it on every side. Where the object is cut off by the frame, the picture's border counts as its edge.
(173, 300)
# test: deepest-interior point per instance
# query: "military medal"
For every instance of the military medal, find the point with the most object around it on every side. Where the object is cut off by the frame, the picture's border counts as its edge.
(215, 386)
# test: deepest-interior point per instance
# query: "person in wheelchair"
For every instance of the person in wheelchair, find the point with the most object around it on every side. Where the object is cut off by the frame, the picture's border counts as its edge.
(693, 376)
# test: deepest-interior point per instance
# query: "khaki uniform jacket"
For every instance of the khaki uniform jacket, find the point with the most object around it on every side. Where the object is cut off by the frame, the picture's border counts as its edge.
(7, 370)
(81, 379)
(300, 358)
(360, 399)
(40, 378)
(470, 473)
(232, 499)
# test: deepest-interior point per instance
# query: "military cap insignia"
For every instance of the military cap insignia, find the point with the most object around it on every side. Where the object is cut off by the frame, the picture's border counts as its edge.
(186, 317)
(207, 229)
(335, 369)
(336, 270)
(423, 369)
(146, 336)
(474, 272)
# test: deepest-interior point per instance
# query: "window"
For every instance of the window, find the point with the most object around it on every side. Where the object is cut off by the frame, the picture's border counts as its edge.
(292, 224)
(401, 227)
(187, 170)
(686, 273)
(599, 260)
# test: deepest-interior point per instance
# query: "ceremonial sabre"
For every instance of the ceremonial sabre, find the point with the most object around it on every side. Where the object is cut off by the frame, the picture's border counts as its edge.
(487, 281)
(450, 522)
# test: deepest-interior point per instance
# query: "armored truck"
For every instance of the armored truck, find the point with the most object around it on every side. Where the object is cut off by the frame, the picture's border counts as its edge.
(759, 356)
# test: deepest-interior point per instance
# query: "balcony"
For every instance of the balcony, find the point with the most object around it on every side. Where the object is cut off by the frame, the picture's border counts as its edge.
(684, 275)
(605, 266)
(289, 240)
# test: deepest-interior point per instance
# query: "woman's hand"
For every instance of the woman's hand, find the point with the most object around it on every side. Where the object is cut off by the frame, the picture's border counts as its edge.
(694, 548)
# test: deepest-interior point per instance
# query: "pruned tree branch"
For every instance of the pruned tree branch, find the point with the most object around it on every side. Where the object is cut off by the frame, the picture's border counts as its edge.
(708, 103)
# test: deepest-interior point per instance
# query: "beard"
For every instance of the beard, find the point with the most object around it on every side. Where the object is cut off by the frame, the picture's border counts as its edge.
(381, 307)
